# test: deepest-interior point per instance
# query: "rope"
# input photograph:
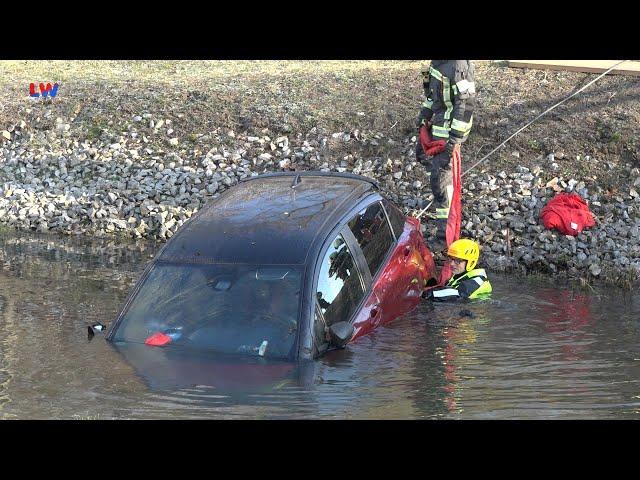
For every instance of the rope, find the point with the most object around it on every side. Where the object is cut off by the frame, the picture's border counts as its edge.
(526, 125)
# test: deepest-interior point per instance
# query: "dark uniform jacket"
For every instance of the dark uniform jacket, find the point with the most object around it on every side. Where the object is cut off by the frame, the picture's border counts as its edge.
(450, 92)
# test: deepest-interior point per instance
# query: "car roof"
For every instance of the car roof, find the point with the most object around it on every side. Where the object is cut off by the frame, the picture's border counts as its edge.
(267, 220)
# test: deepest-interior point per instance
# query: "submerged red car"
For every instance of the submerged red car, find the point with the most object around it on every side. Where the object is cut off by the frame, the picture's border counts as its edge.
(285, 265)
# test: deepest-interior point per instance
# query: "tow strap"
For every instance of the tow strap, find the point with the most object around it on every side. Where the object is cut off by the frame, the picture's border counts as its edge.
(454, 221)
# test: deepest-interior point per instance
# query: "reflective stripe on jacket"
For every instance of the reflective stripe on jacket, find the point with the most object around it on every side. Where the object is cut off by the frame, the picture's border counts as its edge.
(472, 284)
(450, 96)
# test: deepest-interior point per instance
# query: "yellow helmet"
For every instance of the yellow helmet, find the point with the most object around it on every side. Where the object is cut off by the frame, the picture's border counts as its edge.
(465, 249)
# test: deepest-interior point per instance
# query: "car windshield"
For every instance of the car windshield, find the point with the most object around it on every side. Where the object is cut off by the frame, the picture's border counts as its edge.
(224, 308)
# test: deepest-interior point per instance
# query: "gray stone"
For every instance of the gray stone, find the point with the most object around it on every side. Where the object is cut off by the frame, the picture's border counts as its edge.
(212, 187)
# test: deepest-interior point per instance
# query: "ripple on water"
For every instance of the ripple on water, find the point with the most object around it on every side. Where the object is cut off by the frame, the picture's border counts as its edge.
(540, 351)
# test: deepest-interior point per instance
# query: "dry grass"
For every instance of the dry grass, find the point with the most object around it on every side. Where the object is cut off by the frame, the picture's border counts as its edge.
(295, 96)
(166, 71)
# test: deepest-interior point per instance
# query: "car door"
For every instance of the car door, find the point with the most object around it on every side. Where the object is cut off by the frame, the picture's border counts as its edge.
(403, 279)
(390, 266)
(378, 246)
(339, 287)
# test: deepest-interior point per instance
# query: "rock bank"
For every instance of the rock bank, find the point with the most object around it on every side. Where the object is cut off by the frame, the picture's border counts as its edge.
(124, 184)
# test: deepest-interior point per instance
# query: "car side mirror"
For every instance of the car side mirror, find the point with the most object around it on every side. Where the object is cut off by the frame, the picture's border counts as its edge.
(95, 328)
(340, 333)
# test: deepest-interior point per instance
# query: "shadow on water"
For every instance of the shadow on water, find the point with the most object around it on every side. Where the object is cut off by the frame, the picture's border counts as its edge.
(536, 351)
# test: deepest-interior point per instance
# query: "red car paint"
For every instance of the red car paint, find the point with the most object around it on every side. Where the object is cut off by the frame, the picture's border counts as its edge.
(397, 289)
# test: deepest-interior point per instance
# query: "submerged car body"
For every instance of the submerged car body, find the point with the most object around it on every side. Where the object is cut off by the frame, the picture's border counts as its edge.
(269, 266)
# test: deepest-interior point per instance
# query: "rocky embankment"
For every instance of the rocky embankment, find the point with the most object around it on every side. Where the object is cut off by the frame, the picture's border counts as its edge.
(125, 184)
(505, 217)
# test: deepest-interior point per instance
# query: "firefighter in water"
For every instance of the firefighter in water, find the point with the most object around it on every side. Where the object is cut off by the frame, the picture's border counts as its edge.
(447, 112)
(467, 280)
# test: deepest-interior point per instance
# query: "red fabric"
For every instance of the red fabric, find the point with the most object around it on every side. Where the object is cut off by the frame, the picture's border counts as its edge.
(454, 220)
(455, 211)
(431, 147)
(568, 213)
(436, 147)
(158, 339)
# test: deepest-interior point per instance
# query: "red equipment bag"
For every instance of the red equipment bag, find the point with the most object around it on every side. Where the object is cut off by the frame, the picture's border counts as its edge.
(431, 147)
(568, 213)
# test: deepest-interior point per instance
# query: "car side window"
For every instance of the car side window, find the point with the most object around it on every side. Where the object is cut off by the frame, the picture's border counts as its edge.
(372, 231)
(339, 287)
(396, 217)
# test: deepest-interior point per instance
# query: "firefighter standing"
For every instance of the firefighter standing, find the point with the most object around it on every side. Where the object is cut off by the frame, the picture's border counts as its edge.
(448, 111)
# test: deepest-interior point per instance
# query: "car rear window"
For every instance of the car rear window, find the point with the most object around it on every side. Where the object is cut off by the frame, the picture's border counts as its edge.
(372, 231)
(222, 308)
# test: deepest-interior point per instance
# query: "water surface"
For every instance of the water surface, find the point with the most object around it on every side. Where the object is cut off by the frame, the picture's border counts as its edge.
(536, 350)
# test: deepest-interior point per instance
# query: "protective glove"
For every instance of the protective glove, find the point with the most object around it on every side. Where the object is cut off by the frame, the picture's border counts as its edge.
(427, 294)
(450, 147)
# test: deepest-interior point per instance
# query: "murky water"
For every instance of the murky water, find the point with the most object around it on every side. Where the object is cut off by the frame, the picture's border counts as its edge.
(534, 351)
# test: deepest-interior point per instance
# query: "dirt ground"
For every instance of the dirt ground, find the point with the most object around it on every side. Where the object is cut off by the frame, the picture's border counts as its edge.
(596, 132)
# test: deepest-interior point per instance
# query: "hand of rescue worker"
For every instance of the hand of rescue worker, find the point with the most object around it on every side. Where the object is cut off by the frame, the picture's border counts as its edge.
(422, 116)
(450, 147)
